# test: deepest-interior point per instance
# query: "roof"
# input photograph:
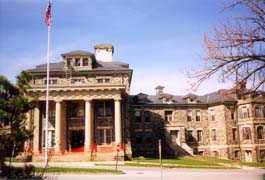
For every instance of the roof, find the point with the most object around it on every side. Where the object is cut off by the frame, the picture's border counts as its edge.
(98, 66)
(215, 97)
(78, 52)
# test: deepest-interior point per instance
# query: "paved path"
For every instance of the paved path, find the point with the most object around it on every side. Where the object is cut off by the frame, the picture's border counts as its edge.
(173, 174)
(141, 173)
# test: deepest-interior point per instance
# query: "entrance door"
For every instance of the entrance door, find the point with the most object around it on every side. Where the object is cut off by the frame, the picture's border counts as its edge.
(248, 156)
(174, 134)
(77, 139)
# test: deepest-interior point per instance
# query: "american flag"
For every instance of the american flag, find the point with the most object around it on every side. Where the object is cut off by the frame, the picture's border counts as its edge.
(48, 16)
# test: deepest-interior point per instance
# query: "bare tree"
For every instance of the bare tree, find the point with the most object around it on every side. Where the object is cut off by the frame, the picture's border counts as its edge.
(236, 51)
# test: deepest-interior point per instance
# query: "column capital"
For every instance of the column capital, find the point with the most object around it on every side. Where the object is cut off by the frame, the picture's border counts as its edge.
(117, 99)
(88, 99)
(58, 100)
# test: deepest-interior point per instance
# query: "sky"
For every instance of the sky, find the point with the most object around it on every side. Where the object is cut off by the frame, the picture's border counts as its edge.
(159, 39)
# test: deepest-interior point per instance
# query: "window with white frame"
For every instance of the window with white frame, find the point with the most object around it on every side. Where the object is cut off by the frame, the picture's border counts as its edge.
(199, 135)
(104, 108)
(168, 116)
(246, 133)
(104, 136)
(189, 136)
(260, 132)
(243, 112)
(235, 134)
(189, 115)
(258, 112)
(77, 62)
(198, 115)
(137, 115)
(213, 135)
(212, 115)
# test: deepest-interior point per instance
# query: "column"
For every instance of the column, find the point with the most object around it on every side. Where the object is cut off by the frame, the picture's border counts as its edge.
(28, 144)
(118, 121)
(58, 126)
(88, 125)
(36, 132)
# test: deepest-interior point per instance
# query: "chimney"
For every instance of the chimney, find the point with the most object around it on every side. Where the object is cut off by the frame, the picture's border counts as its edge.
(104, 52)
(159, 90)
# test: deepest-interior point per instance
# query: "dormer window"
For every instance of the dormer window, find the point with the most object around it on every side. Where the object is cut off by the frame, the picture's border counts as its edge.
(69, 61)
(85, 62)
(77, 62)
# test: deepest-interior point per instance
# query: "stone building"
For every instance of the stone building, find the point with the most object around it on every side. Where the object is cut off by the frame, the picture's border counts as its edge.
(92, 115)
(88, 101)
(217, 124)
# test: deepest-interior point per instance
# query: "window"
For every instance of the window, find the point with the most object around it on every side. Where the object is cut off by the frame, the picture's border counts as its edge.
(199, 135)
(200, 153)
(262, 155)
(100, 81)
(51, 81)
(237, 155)
(190, 136)
(215, 153)
(260, 133)
(246, 133)
(243, 113)
(235, 135)
(107, 80)
(212, 115)
(103, 80)
(146, 116)
(233, 112)
(258, 112)
(198, 115)
(138, 140)
(77, 81)
(104, 108)
(69, 62)
(74, 109)
(148, 140)
(168, 116)
(104, 136)
(85, 62)
(51, 113)
(137, 115)
(213, 134)
(77, 62)
(189, 115)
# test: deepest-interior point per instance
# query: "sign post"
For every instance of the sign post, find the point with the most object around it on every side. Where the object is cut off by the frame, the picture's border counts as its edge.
(160, 157)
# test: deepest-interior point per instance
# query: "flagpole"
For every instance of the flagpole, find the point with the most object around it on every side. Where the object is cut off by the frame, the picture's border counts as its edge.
(47, 99)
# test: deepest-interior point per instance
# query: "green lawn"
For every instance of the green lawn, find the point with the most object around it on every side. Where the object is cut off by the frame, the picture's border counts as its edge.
(192, 162)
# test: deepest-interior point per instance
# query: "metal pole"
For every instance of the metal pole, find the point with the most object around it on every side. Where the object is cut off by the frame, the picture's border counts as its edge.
(47, 99)
(160, 157)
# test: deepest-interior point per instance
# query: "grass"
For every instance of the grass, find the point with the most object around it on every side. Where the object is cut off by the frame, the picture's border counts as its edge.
(191, 162)
(257, 165)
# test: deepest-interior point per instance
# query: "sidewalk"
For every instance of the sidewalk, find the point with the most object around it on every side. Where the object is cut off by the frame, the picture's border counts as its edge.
(70, 164)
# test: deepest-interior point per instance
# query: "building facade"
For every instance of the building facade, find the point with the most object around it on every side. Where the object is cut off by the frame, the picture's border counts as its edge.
(92, 115)
(217, 124)
(88, 101)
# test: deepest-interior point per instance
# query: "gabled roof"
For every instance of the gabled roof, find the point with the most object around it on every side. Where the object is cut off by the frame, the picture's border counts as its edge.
(78, 52)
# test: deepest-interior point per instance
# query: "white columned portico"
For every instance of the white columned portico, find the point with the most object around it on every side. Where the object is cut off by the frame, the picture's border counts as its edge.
(118, 121)
(88, 125)
(36, 122)
(58, 126)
